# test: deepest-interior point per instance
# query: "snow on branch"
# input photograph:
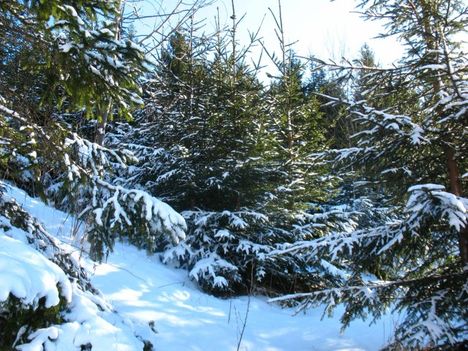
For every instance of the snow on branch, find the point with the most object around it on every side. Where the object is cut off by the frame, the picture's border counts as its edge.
(423, 322)
(400, 125)
(40, 275)
(30, 276)
(380, 133)
(40, 239)
(117, 210)
(429, 201)
(350, 66)
(211, 269)
(343, 244)
(88, 169)
(133, 203)
(219, 247)
(96, 157)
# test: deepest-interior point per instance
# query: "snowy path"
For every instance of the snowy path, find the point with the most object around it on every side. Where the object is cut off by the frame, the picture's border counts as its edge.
(143, 290)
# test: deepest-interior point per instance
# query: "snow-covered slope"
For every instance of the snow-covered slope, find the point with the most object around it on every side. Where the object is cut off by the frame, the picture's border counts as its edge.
(28, 275)
(145, 292)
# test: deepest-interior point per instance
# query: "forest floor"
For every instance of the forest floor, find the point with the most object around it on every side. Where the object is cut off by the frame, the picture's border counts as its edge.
(143, 290)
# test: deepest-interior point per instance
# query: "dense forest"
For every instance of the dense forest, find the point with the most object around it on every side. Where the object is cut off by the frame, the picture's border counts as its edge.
(338, 183)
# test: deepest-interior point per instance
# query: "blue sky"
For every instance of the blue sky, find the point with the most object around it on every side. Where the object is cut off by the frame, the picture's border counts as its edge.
(324, 28)
(321, 27)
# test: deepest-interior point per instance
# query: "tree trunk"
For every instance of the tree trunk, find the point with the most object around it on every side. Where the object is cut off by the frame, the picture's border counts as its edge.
(432, 40)
(463, 245)
(102, 123)
(455, 188)
(101, 127)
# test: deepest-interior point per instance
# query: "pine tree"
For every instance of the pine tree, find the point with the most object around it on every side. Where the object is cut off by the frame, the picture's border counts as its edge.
(170, 134)
(79, 66)
(203, 108)
(295, 129)
(411, 145)
(59, 56)
(322, 81)
(204, 140)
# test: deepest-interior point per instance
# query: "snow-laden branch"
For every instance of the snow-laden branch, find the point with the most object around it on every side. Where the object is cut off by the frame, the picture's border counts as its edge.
(133, 203)
(423, 321)
(87, 168)
(427, 203)
(40, 239)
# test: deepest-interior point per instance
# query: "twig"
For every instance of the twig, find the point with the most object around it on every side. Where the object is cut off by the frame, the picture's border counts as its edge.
(247, 310)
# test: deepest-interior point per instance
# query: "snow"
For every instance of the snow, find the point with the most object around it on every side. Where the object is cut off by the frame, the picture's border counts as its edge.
(187, 319)
(448, 205)
(57, 223)
(73, 12)
(208, 266)
(29, 276)
(147, 295)
(334, 270)
(426, 187)
(224, 234)
(66, 47)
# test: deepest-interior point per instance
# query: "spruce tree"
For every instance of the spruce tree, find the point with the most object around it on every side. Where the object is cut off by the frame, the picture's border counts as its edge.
(411, 144)
(77, 65)
(209, 148)
(59, 56)
(198, 136)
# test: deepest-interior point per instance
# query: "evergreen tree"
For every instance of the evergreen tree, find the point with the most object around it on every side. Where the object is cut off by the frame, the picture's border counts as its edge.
(258, 193)
(60, 56)
(411, 144)
(208, 146)
(421, 251)
(295, 129)
(171, 132)
(79, 66)
(201, 117)
(322, 82)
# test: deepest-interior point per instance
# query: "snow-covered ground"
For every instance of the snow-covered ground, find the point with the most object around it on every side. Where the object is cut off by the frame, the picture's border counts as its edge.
(143, 290)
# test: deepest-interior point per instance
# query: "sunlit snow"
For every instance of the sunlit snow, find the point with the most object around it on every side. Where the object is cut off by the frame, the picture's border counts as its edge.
(145, 292)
